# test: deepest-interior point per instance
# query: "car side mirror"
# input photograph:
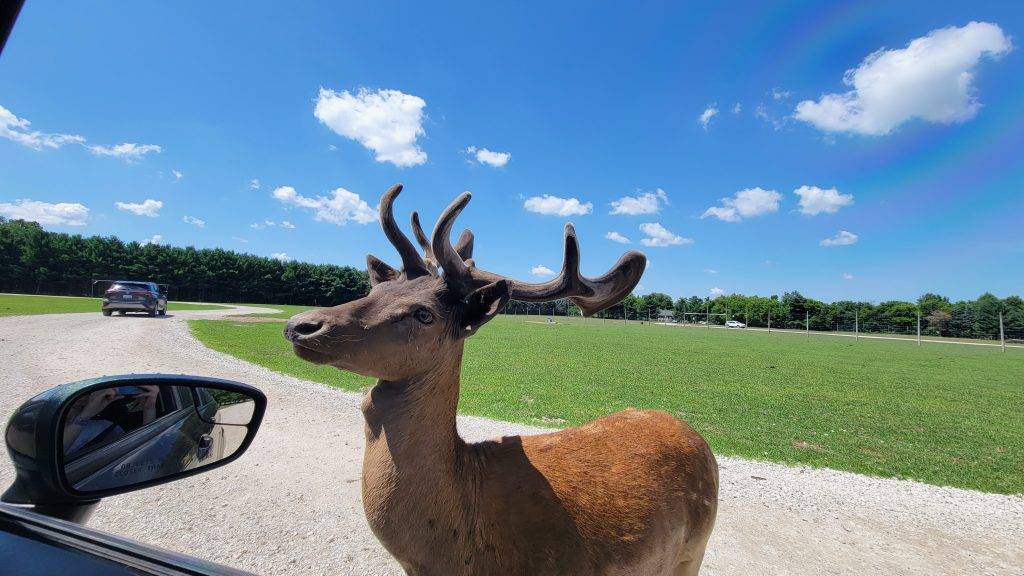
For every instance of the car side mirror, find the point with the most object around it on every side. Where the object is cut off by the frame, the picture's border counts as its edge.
(79, 442)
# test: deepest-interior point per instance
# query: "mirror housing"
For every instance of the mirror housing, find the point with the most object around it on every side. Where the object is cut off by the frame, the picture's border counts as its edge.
(35, 439)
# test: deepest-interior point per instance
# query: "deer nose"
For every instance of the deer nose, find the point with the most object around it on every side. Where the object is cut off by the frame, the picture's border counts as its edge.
(298, 328)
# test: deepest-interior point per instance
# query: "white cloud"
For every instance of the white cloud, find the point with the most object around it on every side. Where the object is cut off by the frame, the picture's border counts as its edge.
(716, 291)
(646, 203)
(147, 207)
(780, 94)
(737, 108)
(705, 117)
(17, 130)
(616, 237)
(281, 256)
(45, 213)
(842, 238)
(814, 200)
(339, 208)
(847, 276)
(542, 271)
(270, 224)
(239, 239)
(254, 184)
(658, 236)
(128, 151)
(485, 156)
(154, 239)
(762, 113)
(554, 206)
(931, 79)
(710, 271)
(177, 175)
(194, 221)
(746, 203)
(385, 121)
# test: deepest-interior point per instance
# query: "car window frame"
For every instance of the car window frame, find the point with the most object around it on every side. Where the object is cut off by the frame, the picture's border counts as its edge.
(90, 542)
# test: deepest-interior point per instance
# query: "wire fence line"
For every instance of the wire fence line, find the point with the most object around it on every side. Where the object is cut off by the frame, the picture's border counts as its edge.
(972, 328)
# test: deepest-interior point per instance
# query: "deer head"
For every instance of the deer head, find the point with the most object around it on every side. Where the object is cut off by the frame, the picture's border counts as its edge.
(413, 317)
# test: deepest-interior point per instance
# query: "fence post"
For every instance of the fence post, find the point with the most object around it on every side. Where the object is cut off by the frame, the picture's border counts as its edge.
(807, 323)
(1002, 334)
(856, 325)
(707, 316)
(769, 320)
(919, 328)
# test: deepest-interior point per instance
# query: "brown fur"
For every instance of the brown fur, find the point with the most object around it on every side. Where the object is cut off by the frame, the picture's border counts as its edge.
(635, 492)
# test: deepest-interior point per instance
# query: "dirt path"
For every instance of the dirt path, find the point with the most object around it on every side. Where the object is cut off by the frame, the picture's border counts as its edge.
(291, 504)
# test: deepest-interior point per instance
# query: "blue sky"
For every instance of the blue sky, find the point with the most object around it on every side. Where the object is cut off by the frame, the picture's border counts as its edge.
(910, 168)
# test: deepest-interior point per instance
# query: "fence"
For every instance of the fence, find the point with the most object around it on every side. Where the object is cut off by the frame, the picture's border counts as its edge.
(968, 325)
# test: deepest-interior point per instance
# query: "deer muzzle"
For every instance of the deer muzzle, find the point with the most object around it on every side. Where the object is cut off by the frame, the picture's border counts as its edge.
(306, 331)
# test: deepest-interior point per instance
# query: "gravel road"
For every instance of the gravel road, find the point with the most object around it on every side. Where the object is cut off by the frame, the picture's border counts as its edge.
(291, 504)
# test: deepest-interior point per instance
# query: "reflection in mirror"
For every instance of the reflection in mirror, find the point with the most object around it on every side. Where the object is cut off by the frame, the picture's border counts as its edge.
(225, 406)
(124, 435)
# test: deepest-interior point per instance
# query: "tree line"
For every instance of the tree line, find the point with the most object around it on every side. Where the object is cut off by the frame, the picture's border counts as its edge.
(940, 316)
(33, 260)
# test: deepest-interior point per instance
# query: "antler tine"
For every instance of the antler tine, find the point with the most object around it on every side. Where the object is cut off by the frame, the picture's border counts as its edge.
(612, 286)
(465, 244)
(591, 294)
(428, 252)
(412, 264)
(455, 270)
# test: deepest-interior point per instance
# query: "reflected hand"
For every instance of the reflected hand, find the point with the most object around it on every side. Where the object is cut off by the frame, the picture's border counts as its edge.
(98, 401)
(148, 397)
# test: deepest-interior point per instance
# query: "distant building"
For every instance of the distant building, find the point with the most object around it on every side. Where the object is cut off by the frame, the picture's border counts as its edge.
(666, 315)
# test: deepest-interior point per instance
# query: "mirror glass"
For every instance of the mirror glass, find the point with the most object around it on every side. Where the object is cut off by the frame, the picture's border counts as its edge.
(132, 433)
(225, 406)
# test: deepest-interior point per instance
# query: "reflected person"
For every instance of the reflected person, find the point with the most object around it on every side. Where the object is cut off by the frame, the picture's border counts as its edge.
(101, 417)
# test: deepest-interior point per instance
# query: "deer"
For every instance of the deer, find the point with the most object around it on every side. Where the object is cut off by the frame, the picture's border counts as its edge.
(631, 493)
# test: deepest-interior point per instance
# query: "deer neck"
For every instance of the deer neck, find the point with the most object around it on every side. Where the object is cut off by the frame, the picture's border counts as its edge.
(414, 472)
(416, 418)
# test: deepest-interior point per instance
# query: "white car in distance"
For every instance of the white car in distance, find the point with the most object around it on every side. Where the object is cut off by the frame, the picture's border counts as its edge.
(735, 324)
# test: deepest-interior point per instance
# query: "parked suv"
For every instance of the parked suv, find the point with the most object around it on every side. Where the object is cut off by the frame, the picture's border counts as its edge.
(128, 296)
(735, 324)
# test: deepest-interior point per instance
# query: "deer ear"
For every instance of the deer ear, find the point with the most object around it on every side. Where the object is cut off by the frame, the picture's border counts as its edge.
(483, 304)
(378, 270)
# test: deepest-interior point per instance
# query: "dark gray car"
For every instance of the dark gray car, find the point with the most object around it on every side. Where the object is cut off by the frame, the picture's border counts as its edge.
(133, 296)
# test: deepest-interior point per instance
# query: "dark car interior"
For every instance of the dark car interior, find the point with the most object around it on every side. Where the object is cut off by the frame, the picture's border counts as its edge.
(123, 417)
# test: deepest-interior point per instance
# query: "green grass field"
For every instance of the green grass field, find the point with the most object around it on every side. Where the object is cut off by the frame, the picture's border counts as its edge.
(25, 304)
(942, 414)
(286, 310)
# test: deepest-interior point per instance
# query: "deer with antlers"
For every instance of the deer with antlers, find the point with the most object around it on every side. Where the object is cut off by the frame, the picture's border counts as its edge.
(631, 493)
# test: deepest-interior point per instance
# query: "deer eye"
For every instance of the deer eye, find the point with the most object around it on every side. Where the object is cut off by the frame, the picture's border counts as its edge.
(423, 315)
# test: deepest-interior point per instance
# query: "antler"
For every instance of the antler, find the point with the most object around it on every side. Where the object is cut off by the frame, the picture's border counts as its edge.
(412, 264)
(591, 294)
(464, 246)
